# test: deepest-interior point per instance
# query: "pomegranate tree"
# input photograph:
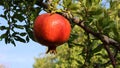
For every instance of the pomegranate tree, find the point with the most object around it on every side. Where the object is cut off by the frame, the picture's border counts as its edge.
(51, 30)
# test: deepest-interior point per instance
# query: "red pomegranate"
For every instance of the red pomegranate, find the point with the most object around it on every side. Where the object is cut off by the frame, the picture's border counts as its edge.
(51, 30)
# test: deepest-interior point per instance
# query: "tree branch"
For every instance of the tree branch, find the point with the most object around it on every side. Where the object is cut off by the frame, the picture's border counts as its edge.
(110, 55)
(116, 53)
(105, 39)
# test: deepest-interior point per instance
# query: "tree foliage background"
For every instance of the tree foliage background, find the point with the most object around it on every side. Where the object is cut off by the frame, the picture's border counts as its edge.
(95, 35)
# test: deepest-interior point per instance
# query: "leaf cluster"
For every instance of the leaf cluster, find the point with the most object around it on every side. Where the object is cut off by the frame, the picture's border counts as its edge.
(19, 16)
(99, 18)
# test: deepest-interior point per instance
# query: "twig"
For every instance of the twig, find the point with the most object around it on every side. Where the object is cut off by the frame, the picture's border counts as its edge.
(110, 55)
(116, 52)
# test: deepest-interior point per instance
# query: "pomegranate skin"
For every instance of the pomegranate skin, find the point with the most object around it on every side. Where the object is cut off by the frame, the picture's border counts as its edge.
(51, 30)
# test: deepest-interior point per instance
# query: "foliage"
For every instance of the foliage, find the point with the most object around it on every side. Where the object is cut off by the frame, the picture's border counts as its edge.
(92, 42)
(20, 17)
(77, 54)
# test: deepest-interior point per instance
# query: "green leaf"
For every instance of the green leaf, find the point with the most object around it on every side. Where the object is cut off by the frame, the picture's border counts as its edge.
(15, 33)
(3, 36)
(18, 26)
(4, 16)
(3, 27)
(88, 3)
(96, 12)
(74, 6)
(13, 42)
(17, 38)
(30, 32)
(27, 39)
(20, 17)
(23, 34)
(97, 49)
(67, 3)
(6, 40)
(73, 37)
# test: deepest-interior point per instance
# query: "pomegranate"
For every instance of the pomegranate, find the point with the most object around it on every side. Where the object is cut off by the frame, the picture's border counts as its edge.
(51, 30)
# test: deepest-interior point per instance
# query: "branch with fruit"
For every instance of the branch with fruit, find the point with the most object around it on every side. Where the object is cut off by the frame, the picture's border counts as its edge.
(107, 41)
